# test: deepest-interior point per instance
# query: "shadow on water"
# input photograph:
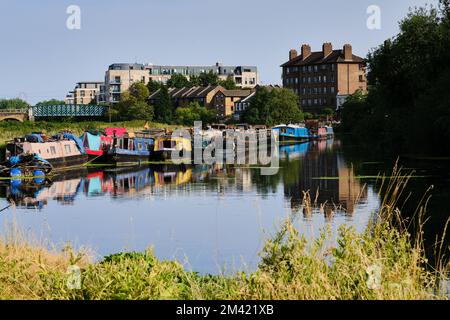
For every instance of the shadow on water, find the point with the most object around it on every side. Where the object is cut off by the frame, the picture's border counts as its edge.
(216, 214)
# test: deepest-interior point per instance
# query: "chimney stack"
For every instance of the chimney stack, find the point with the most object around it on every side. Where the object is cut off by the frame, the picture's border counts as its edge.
(327, 48)
(292, 54)
(306, 51)
(348, 52)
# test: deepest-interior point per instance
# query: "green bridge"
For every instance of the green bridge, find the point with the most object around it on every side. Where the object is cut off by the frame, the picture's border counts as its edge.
(54, 111)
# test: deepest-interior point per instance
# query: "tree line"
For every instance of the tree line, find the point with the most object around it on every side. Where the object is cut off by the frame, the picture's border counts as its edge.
(407, 107)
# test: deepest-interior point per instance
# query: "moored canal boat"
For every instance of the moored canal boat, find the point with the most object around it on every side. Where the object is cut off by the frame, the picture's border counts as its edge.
(132, 148)
(291, 133)
(98, 143)
(62, 150)
(166, 145)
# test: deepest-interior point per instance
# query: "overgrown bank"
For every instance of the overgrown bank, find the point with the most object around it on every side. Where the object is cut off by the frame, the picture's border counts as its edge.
(381, 263)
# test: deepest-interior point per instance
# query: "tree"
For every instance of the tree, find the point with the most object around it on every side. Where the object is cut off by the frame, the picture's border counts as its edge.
(193, 112)
(134, 104)
(194, 81)
(50, 102)
(408, 102)
(15, 103)
(208, 79)
(178, 81)
(164, 106)
(275, 106)
(153, 86)
(229, 83)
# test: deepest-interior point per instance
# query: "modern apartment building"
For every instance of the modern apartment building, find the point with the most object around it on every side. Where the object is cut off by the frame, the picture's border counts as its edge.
(244, 76)
(120, 76)
(324, 78)
(85, 93)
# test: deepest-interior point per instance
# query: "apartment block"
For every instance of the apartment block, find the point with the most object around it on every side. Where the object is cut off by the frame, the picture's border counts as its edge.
(324, 78)
(120, 76)
(243, 76)
(85, 92)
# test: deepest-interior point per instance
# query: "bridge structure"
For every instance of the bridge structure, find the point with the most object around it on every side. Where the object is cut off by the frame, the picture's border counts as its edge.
(14, 115)
(54, 111)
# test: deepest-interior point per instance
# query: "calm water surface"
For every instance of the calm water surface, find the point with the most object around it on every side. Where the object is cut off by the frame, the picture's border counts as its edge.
(212, 217)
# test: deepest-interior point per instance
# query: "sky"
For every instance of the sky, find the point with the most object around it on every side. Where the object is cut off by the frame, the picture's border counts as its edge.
(40, 58)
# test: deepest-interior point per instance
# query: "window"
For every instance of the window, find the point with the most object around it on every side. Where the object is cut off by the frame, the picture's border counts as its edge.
(139, 146)
(117, 79)
(67, 148)
(316, 68)
(53, 150)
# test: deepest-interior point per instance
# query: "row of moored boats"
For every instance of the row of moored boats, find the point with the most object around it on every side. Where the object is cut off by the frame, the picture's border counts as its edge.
(37, 154)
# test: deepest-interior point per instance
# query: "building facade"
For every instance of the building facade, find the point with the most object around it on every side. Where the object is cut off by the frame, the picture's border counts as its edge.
(243, 76)
(323, 79)
(120, 76)
(224, 101)
(85, 92)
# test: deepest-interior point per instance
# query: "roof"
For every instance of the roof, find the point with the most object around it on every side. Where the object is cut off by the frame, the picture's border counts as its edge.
(187, 92)
(318, 58)
(236, 93)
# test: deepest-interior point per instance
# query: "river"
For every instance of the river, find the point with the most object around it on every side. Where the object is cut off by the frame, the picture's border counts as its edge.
(215, 218)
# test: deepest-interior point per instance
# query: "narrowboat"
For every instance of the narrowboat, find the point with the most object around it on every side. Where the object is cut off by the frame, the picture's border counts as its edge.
(291, 133)
(166, 145)
(131, 147)
(98, 143)
(62, 150)
(330, 131)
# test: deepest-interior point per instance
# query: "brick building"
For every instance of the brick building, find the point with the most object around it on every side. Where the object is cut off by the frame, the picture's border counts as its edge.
(323, 79)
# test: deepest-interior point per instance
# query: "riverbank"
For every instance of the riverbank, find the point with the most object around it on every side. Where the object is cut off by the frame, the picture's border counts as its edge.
(9, 130)
(383, 262)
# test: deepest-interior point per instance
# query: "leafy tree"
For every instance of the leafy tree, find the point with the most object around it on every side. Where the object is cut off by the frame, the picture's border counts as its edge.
(139, 91)
(50, 102)
(408, 104)
(193, 112)
(133, 104)
(178, 81)
(228, 84)
(153, 86)
(275, 106)
(164, 106)
(15, 103)
(208, 79)
(194, 81)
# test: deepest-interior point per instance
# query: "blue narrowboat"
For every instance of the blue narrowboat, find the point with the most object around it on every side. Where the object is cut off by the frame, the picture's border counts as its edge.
(291, 133)
(131, 148)
(330, 131)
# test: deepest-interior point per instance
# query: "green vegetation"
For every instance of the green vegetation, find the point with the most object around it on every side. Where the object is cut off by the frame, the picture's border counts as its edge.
(384, 262)
(50, 102)
(408, 104)
(134, 104)
(164, 106)
(13, 104)
(193, 112)
(273, 106)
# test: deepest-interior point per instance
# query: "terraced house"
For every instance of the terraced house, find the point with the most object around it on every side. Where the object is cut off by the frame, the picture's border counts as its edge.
(324, 78)
(181, 97)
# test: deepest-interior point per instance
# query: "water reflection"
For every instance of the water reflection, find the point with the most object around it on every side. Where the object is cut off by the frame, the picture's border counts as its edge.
(213, 214)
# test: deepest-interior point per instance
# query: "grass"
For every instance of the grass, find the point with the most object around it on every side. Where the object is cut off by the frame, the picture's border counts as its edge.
(383, 262)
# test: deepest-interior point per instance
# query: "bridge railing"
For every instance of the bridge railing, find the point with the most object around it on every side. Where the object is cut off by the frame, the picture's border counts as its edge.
(9, 111)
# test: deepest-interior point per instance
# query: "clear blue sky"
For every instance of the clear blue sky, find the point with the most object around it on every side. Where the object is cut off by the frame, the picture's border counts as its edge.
(41, 59)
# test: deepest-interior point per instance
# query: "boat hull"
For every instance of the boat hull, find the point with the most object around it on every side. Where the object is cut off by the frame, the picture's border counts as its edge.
(69, 161)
